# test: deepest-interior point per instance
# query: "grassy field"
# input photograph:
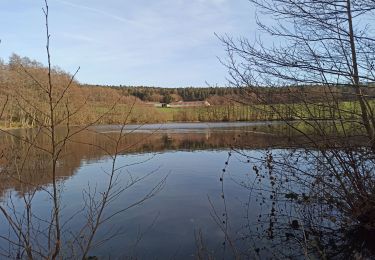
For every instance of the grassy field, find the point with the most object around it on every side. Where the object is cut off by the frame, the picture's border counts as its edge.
(345, 110)
(300, 111)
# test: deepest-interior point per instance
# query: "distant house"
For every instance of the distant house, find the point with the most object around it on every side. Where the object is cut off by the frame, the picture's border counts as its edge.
(156, 104)
(153, 104)
(179, 104)
(190, 104)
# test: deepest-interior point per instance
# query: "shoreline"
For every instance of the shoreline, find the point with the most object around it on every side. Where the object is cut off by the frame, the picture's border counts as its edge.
(182, 122)
(160, 123)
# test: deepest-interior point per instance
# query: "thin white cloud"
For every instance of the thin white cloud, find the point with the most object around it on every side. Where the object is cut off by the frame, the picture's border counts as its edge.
(97, 11)
(78, 37)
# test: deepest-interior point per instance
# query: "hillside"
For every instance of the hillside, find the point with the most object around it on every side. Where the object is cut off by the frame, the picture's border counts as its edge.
(22, 84)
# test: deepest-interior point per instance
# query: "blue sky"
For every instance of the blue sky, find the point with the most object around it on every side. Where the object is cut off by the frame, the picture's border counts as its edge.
(167, 43)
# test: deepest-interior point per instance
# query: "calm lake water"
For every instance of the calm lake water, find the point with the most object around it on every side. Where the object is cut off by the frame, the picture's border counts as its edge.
(190, 204)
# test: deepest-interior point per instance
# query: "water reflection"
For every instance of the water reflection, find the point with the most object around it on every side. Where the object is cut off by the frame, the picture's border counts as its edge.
(92, 145)
(224, 181)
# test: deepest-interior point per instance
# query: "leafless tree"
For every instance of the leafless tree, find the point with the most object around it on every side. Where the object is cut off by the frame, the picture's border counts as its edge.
(31, 236)
(327, 173)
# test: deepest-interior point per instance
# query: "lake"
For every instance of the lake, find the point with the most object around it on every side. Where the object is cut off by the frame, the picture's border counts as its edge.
(181, 191)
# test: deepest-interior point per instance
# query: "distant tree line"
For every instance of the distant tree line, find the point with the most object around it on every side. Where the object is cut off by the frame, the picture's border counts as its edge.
(228, 95)
(156, 94)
